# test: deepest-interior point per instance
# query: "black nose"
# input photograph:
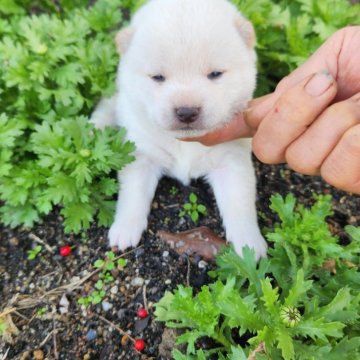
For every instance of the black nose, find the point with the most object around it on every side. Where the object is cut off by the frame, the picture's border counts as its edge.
(187, 114)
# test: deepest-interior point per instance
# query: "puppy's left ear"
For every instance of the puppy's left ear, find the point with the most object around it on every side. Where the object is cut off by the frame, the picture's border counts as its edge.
(123, 39)
(246, 31)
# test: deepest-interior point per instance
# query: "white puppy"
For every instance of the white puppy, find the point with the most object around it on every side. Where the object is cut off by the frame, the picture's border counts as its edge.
(187, 67)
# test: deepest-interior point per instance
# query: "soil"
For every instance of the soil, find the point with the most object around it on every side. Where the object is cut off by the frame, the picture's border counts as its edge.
(41, 295)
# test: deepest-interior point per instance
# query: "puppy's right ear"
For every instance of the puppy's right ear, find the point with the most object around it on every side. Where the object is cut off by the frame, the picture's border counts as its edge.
(123, 39)
(246, 30)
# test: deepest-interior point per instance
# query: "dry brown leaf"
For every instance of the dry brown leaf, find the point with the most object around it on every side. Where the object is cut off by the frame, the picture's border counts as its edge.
(201, 241)
(10, 329)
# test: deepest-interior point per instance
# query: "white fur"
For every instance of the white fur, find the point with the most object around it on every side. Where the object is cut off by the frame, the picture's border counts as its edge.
(184, 40)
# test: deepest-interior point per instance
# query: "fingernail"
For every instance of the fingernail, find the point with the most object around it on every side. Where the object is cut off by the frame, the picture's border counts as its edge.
(319, 83)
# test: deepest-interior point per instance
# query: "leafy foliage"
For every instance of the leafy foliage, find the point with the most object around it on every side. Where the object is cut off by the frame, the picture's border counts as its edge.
(289, 31)
(193, 209)
(105, 266)
(54, 69)
(291, 304)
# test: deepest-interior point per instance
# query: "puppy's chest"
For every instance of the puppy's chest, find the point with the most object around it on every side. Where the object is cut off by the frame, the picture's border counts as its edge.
(185, 162)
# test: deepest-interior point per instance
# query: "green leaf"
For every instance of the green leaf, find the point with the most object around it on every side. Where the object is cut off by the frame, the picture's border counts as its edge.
(99, 263)
(122, 263)
(298, 290)
(193, 198)
(270, 296)
(195, 216)
(285, 343)
(99, 285)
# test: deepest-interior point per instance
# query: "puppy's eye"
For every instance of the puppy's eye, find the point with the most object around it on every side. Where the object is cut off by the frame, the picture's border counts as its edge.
(214, 75)
(158, 78)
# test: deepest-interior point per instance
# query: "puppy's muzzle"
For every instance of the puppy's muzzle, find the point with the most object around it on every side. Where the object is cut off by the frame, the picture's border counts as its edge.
(187, 115)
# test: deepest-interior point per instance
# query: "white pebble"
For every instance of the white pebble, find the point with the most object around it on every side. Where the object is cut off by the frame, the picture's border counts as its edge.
(114, 290)
(165, 254)
(202, 264)
(168, 281)
(106, 305)
(138, 281)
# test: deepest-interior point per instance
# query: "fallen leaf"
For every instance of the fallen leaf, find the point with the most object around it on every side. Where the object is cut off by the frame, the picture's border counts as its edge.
(201, 241)
(9, 330)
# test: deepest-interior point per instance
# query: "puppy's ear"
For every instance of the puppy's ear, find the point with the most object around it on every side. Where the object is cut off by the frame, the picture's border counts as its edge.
(123, 39)
(246, 31)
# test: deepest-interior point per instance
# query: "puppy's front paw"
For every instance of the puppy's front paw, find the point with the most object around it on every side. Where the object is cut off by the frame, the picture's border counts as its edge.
(124, 235)
(256, 242)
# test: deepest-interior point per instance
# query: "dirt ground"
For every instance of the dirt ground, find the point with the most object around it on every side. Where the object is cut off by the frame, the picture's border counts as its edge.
(40, 296)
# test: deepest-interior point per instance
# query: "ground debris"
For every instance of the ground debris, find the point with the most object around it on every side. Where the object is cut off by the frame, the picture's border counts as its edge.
(200, 241)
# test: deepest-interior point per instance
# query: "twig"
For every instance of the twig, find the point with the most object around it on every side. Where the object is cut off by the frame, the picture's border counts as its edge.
(42, 242)
(120, 330)
(188, 271)
(46, 339)
(56, 353)
(144, 298)
(5, 355)
(259, 349)
(7, 311)
(21, 315)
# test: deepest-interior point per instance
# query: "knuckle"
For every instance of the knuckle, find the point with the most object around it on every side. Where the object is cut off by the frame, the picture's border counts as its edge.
(347, 111)
(296, 158)
(266, 154)
(351, 141)
(290, 109)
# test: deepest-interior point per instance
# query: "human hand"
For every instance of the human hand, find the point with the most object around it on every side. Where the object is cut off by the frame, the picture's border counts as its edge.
(312, 120)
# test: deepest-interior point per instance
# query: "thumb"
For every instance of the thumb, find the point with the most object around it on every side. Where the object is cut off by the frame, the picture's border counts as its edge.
(290, 116)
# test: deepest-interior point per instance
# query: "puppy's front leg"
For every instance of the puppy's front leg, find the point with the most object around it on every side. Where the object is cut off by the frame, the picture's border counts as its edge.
(138, 182)
(234, 189)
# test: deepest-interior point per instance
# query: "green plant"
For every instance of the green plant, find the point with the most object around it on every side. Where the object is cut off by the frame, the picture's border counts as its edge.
(2, 327)
(174, 190)
(193, 209)
(33, 253)
(41, 311)
(289, 31)
(291, 305)
(106, 266)
(54, 69)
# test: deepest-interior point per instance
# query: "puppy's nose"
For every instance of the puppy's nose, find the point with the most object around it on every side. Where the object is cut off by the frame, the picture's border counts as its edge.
(187, 114)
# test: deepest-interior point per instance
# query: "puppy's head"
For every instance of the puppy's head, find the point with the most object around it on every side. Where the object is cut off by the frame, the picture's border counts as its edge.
(188, 65)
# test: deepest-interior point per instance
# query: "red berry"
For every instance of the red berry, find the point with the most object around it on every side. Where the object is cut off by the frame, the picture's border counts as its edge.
(65, 250)
(139, 345)
(142, 313)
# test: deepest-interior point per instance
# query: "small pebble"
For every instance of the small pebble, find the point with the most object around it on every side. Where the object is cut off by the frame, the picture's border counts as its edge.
(86, 357)
(168, 281)
(124, 340)
(106, 306)
(138, 281)
(91, 335)
(38, 354)
(25, 355)
(114, 290)
(121, 314)
(139, 252)
(14, 241)
(202, 264)
(165, 254)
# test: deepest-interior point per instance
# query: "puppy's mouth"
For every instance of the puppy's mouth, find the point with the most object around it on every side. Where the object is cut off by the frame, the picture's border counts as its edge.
(189, 131)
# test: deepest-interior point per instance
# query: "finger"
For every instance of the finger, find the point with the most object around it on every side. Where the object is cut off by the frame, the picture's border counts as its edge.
(339, 55)
(342, 167)
(258, 109)
(307, 153)
(235, 129)
(291, 115)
